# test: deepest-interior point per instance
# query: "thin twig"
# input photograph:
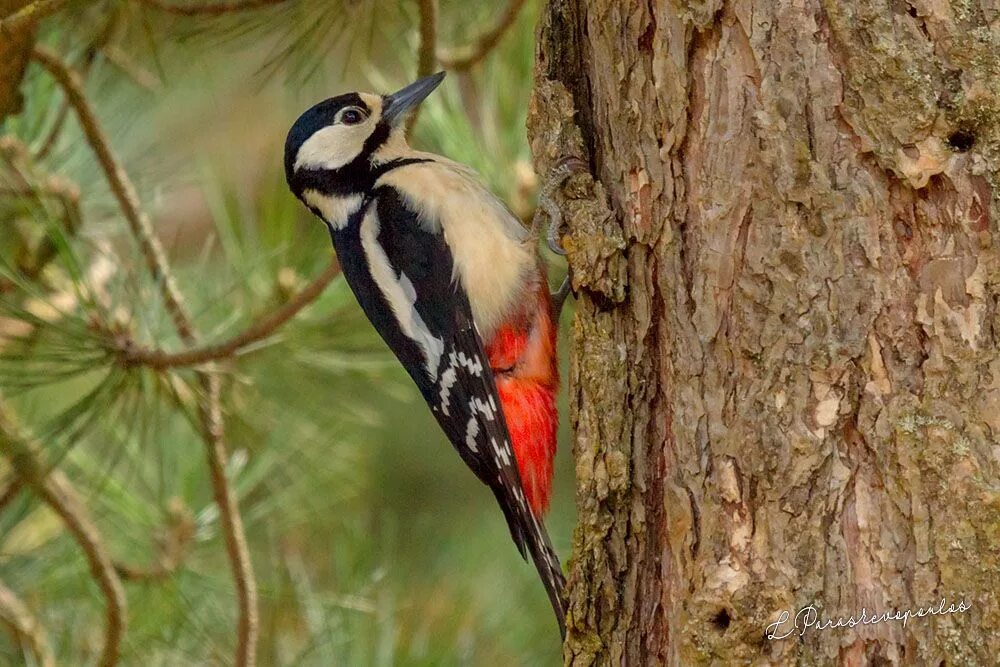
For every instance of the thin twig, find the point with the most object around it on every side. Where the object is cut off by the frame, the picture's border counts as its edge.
(55, 490)
(232, 521)
(426, 52)
(68, 195)
(139, 74)
(101, 39)
(53, 136)
(8, 495)
(29, 14)
(60, 122)
(25, 627)
(464, 57)
(259, 330)
(39, 186)
(210, 9)
(210, 410)
(172, 546)
(123, 190)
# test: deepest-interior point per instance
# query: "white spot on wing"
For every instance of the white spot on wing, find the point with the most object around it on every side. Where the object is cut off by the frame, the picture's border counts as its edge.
(475, 366)
(399, 292)
(447, 380)
(471, 431)
(501, 452)
(483, 407)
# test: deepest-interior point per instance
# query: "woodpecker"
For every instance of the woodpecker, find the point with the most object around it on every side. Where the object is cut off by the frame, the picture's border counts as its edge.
(455, 286)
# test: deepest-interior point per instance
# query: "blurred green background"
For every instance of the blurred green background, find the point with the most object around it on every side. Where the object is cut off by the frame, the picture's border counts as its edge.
(372, 543)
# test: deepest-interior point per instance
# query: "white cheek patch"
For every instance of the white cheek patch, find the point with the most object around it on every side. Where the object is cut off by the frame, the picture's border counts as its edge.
(332, 147)
(336, 210)
(399, 292)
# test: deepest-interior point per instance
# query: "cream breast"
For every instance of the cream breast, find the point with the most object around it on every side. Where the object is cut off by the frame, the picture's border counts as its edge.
(494, 255)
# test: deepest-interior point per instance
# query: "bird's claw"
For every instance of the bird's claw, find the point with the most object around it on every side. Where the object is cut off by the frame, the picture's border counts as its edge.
(560, 173)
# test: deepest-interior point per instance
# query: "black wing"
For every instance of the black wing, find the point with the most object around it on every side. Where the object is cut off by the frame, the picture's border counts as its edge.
(426, 320)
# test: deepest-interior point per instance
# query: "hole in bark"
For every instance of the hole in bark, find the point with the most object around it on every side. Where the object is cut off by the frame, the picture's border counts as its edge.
(600, 301)
(961, 140)
(722, 620)
(646, 38)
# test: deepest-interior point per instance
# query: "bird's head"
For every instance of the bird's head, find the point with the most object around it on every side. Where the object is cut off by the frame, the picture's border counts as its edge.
(347, 132)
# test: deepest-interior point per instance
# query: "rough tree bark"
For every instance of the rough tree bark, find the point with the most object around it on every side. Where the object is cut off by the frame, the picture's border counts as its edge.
(785, 381)
(15, 52)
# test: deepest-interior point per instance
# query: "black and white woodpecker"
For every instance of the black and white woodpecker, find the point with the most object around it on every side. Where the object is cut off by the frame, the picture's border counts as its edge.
(453, 283)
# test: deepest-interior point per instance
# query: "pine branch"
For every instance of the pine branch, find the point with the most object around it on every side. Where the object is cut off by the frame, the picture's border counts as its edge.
(15, 53)
(267, 325)
(68, 196)
(25, 627)
(210, 9)
(139, 74)
(53, 136)
(100, 41)
(55, 490)
(27, 15)
(10, 492)
(38, 187)
(464, 57)
(123, 190)
(210, 410)
(232, 522)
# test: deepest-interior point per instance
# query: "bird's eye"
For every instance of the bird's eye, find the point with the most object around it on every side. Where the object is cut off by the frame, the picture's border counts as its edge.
(351, 117)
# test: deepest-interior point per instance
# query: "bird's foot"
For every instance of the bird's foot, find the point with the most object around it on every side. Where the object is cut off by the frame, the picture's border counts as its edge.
(560, 173)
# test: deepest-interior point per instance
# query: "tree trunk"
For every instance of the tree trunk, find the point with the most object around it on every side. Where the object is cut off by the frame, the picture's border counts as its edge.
(785, 384)
(15, 52)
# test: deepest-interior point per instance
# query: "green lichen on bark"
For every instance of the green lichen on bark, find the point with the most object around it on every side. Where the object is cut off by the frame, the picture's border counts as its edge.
(922, 81)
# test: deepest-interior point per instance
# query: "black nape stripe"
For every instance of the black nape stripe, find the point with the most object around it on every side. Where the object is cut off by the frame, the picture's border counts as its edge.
(358, 177)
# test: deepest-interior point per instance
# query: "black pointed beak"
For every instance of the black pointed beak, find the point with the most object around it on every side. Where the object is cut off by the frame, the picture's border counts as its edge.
(396, 105)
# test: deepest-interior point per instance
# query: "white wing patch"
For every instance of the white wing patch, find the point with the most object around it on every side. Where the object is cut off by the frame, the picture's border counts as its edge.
(475, 366)
(471, 431)
(501, 452)
(482, 407)
(399, 292)
(336, 210)
(447, 380)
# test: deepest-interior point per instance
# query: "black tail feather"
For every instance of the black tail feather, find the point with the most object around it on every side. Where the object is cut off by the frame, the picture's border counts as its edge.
(530, 536)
